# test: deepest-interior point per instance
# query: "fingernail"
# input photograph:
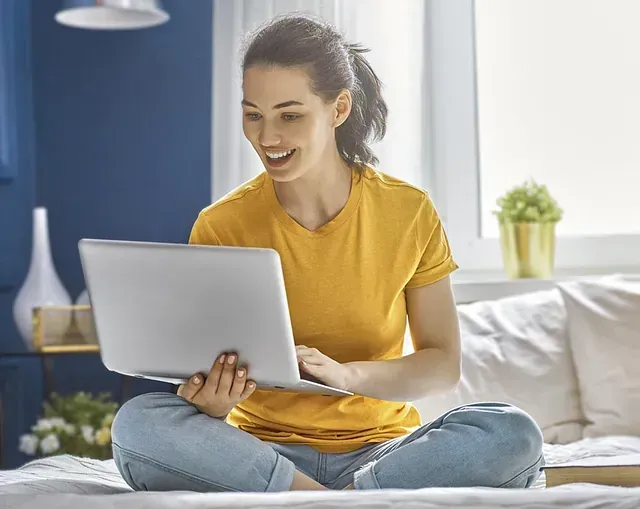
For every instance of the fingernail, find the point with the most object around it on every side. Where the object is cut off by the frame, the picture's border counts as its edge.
(240, 373)
(251, 385)
(222, 359)
(231, 359)
(196, 380)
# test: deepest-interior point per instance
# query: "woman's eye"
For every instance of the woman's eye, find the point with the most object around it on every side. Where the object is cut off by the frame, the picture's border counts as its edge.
(290, 117)
(253, 116)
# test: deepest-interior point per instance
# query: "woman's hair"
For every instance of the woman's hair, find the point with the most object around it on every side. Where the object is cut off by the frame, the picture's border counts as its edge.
(333, 64)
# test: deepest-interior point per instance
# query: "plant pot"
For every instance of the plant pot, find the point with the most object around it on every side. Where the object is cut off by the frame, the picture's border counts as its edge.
(42, 286)
(528, 249)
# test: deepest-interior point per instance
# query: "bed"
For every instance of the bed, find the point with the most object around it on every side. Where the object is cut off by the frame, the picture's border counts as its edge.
(68, 482)
(544, 354)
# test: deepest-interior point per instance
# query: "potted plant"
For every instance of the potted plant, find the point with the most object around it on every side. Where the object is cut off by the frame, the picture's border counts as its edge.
(78, 424)
(527, 215)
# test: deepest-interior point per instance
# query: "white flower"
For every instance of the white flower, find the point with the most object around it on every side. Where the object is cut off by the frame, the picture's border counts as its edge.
(52, 423)
(88, 434)
(42, 425)
(70, 429)
(28, 444)
(49, 444)
(58, 422)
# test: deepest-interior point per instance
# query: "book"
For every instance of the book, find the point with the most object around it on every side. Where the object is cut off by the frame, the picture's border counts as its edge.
(610, 470)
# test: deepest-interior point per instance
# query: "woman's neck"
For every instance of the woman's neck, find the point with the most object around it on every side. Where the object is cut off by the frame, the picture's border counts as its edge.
(318, 196)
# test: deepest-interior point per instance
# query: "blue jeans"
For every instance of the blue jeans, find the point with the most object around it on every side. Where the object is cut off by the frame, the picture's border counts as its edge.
(161, 442)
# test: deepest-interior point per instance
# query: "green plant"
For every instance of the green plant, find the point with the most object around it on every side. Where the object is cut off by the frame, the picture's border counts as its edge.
(78, 424)
(528, 203)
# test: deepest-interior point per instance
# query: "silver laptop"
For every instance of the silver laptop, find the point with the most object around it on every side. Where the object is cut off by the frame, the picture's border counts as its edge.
(167, 311)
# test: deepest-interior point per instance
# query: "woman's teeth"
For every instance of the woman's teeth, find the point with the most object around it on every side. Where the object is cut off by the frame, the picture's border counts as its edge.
(278, 155)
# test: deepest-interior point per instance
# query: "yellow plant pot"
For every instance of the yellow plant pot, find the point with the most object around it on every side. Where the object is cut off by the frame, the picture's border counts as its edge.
(528, 249)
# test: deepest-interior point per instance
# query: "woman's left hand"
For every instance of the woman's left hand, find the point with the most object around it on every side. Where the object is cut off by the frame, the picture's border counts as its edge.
(323, 368)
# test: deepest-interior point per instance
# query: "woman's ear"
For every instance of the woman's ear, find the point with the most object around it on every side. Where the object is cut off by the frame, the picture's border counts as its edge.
(342, 108)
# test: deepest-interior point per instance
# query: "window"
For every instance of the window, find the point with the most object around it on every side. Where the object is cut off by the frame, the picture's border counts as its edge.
(395, 33)
(563, 110)
(546, 90)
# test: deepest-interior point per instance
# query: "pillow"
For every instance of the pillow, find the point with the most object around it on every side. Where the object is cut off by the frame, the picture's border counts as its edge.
(516, 350)
(604, 333)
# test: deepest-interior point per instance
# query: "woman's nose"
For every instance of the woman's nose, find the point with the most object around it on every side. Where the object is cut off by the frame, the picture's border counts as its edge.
(269, 136)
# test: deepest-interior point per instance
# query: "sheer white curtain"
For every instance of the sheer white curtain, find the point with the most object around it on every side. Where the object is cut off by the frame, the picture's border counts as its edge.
(395, 33)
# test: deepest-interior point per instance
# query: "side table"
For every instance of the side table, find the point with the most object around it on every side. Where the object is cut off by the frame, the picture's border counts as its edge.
(48, 382)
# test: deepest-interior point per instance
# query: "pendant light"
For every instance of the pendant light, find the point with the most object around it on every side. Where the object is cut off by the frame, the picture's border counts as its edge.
(111, 14)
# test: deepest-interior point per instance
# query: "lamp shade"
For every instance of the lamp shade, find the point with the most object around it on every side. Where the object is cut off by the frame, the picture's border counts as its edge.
(111, 14)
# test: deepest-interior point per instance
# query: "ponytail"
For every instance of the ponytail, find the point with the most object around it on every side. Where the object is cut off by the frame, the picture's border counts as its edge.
(333, 65)
(367, 121)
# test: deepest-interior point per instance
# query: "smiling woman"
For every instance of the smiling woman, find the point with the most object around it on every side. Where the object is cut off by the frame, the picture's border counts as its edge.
(361, 253)
(288, 135)
(317, 80)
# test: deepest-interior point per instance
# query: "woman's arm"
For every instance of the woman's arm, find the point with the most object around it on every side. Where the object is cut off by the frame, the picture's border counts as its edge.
(433, 368)
(435, 365)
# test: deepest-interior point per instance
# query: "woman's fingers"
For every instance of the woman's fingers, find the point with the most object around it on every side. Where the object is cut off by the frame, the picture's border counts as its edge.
(225, 378)
(239, 383)
(303, 351)
(310, 357)
(189, 390)
(249, 387)
(213, 378)
(228, 375)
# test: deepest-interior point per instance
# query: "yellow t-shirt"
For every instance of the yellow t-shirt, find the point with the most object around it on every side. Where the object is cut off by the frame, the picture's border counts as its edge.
(345, 287)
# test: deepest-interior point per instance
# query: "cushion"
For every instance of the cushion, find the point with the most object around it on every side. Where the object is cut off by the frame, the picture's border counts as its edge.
(516, 350)
(604, 333)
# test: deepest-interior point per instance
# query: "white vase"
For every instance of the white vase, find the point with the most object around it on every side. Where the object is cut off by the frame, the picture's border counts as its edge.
(42, 286)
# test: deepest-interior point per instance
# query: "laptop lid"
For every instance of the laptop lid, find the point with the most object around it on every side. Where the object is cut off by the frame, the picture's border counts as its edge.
(169, 310)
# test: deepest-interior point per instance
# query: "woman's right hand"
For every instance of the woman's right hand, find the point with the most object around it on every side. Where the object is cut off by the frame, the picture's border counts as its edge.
(224, 387)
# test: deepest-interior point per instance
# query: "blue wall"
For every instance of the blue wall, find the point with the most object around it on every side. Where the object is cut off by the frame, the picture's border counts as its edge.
(122, 150)
(17, 170)
(123, 129)
(19, 378)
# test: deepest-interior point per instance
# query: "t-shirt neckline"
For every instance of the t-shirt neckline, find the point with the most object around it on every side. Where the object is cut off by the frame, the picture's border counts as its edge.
(342, 217)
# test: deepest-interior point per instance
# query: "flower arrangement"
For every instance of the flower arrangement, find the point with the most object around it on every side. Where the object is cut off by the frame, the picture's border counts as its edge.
(528, 203)
(78, 424)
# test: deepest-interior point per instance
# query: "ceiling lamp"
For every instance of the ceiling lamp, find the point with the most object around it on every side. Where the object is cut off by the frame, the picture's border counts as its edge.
(111, 14)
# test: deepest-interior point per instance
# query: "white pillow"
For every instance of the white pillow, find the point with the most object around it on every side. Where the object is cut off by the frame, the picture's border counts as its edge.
(604, 332)
(516, 350)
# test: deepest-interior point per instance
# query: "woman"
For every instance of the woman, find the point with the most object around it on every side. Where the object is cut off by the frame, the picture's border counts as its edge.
(360, 251)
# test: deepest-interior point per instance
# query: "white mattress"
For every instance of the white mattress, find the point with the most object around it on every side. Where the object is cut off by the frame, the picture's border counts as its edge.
(67, 482)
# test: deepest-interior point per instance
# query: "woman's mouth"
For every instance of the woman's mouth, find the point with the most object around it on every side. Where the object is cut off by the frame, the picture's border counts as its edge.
(278, 159)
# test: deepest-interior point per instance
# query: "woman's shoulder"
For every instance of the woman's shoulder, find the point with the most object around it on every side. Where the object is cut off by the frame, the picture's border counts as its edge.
(231, 218)
(392, 191)
(244, 199)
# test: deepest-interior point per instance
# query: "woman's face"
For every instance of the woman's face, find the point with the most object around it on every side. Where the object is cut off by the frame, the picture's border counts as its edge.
(291, 128)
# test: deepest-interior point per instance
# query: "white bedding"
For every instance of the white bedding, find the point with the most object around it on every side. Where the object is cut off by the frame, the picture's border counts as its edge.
(67, 482)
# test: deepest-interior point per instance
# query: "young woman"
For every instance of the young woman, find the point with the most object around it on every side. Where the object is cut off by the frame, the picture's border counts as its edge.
(361, 251)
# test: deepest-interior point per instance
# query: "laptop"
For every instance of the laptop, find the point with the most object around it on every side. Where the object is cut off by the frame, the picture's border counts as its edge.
(167, 311)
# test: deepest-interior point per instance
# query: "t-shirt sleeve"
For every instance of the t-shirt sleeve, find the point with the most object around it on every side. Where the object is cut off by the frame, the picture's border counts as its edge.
(203, 233)
(436, 260)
